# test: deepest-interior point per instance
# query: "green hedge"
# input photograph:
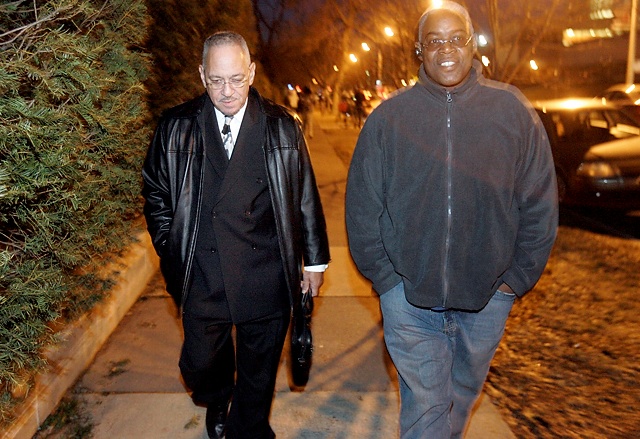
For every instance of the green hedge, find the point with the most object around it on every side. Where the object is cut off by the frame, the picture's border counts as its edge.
(74, 127)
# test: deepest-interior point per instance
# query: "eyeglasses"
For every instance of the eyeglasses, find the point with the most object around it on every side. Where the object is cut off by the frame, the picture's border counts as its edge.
(458, 42)
(219, 84)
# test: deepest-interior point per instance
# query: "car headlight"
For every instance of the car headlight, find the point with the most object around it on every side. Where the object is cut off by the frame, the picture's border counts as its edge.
(598, 170)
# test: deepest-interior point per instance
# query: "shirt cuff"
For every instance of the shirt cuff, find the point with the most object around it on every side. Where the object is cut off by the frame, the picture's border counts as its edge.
(316, 268)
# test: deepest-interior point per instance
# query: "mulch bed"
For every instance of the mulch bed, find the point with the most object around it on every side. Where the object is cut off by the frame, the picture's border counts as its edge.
(569, 363)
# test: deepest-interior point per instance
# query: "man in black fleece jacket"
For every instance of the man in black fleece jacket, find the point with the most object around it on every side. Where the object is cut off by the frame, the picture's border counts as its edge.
(451, 212)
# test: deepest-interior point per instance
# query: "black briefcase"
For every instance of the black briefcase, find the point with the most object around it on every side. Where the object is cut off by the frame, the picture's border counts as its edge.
(301, 340)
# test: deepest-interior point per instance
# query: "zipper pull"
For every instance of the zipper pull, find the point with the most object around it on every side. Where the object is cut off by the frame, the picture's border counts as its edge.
(449, 98)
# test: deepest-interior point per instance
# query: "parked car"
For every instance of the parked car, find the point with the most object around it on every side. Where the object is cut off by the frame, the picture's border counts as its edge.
(625, 96)
(596, 151)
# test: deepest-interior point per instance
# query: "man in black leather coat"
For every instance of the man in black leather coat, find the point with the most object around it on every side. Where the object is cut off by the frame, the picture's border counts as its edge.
(233, 230)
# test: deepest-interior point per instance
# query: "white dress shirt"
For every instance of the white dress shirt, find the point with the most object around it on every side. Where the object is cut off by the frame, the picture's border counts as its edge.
(234, 125)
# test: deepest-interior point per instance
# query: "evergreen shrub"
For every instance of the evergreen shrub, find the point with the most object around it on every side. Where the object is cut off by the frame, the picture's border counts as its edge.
(74, 127)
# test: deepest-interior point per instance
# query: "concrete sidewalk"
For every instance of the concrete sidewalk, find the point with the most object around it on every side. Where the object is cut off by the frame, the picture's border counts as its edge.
(133, 388)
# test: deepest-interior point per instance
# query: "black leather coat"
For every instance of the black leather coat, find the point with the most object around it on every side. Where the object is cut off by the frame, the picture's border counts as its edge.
(173, 176)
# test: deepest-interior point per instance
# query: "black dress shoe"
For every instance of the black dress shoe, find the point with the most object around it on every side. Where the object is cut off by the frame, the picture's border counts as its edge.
(216, 421)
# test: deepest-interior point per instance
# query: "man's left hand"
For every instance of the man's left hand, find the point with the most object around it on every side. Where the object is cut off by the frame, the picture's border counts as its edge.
(312, 280)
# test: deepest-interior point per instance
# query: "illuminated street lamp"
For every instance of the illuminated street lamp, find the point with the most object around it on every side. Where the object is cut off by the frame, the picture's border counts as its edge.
(388, 32)
(366, 48)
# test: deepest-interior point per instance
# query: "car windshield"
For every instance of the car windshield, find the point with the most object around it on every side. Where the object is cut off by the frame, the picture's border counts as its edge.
(632, 97)
(592, 126)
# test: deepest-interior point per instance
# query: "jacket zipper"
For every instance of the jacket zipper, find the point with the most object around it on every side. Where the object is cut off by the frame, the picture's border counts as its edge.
(447, 241)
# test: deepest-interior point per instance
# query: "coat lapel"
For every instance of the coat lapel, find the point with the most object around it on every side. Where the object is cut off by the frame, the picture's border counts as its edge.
(250, 136)
(214, 149)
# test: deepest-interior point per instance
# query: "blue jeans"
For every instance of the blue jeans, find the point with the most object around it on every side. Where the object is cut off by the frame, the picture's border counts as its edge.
(442, 359)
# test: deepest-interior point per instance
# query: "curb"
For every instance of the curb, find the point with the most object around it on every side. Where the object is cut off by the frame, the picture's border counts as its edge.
(82, 340)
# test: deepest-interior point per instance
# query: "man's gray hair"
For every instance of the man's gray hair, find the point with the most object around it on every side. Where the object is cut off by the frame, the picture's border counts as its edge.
(225, 38)
(450, 6)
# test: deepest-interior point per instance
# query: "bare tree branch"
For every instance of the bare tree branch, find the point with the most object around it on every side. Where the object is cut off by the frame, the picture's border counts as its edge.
(550, 15)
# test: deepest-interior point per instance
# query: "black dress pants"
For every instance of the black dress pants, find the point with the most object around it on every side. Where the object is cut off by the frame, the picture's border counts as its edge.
(208, 365)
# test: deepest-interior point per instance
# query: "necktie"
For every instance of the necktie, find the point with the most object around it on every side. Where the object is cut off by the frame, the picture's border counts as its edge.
(227, 138)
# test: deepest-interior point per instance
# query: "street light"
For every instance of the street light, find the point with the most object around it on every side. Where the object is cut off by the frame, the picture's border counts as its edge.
(366, 48)
(388, 32)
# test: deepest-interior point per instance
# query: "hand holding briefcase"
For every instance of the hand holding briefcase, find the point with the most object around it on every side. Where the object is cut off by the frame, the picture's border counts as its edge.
(301, 340)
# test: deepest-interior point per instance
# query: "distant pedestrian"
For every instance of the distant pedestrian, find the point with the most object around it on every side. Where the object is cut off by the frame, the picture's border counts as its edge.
(359, 112)
(305, 110)
(292, 98)
(233, 211)
(451, 211)
(343, 109)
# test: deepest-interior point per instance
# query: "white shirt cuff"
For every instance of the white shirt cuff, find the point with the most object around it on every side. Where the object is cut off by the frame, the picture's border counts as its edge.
(316, 268)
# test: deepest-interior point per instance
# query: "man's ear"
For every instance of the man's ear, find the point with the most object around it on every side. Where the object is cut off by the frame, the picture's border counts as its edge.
(419, 51)
(202, 78)
(252, 72)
